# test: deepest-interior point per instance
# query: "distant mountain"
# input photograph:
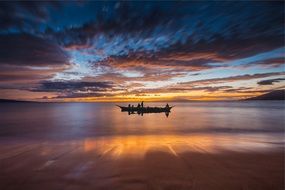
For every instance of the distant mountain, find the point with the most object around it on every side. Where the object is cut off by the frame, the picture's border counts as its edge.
(274, 95)
(11, 101)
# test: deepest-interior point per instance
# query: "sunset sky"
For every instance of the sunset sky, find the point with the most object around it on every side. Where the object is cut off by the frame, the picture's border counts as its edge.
(132, 51)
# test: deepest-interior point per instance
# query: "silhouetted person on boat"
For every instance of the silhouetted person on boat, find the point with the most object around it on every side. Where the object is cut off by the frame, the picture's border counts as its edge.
(166, 114)
(142, 104)
(167, 106)
(139, 106)
(129, 106)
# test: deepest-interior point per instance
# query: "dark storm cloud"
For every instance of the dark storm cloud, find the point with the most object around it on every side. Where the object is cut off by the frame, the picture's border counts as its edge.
(144, 17)
(203, 88)
(171, 89)
(28, 50)
(240, 89)
(83, 95)
(228, 30)
(273, 62)
(270, 81)
(219, 28)
(237, 39)
(65, 86)
(128, 18)
(228, 48)
(24, 75)
(78, 89)
(149, 75)
(232, 78)
(180, 62)
(24, 15)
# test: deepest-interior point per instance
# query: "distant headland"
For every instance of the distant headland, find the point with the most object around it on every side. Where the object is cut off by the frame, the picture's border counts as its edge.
(273, 95)
(14, 101)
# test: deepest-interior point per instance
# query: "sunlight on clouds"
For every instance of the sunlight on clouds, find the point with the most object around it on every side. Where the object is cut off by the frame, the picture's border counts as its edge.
(132, 51)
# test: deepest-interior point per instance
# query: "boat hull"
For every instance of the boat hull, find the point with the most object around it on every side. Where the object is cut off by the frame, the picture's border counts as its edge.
(145, 109)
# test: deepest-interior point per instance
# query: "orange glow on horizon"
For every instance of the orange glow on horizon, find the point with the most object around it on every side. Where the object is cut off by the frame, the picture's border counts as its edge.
(171, 97)
(148, 97)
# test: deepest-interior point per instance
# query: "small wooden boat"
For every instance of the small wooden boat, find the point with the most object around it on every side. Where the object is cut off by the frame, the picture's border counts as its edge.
(145, 109)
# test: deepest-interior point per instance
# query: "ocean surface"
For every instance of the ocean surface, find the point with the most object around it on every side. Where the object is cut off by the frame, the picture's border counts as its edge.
(82, 120)
(200, 145)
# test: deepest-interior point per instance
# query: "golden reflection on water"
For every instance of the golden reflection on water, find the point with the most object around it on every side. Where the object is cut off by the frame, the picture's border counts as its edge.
(138, 146)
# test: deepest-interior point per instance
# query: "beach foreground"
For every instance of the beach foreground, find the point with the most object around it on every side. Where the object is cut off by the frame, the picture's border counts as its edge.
(78, 146)
(143, 162)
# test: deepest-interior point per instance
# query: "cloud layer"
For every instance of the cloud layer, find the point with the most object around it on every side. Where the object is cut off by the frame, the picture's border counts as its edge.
(142, 49)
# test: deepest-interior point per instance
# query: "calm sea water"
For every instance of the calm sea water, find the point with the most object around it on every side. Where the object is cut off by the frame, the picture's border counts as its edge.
(84, 120)
(201, 145)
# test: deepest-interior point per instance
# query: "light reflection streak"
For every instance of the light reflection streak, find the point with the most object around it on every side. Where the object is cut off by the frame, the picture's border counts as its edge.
(138, 146)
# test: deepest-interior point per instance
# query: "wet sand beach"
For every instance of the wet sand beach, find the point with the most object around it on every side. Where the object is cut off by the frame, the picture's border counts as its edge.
(143, 162)
(58, 149)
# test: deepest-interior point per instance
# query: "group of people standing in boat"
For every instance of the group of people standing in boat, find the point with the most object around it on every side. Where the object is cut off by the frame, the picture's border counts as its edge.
(140, 105)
